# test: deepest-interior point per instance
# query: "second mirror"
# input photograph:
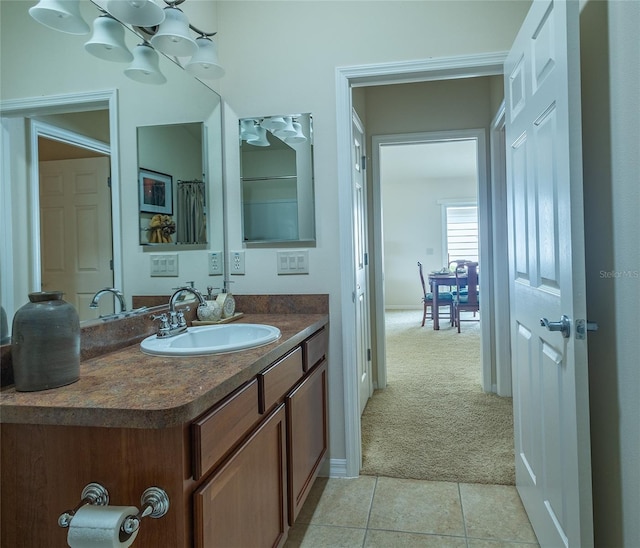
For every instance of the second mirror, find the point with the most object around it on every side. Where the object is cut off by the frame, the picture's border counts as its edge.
(276, 168)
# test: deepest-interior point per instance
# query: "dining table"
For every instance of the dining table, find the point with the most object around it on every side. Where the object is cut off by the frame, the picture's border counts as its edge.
(436, 281)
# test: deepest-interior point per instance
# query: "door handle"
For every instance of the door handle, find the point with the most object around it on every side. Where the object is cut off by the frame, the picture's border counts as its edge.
(564, 325)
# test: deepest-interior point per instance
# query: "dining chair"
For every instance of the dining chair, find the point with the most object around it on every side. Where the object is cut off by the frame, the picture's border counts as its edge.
(467, 296)
(453, 266)
(445, 298)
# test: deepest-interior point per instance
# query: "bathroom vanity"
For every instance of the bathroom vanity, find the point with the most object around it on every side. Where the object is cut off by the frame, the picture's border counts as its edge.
(236, 440)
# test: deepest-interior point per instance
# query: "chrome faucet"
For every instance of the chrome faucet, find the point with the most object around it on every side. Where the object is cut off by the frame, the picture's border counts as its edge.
(116, 292)
(175, 323)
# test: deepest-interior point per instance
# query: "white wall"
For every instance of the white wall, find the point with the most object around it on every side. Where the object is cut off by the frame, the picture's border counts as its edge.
(611, 132)
(412, 226)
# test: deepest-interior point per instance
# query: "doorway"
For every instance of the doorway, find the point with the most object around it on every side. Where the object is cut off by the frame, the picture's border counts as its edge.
(453, 164)
(347, 79)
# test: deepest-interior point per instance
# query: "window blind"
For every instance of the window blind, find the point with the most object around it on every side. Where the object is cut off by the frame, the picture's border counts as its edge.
(462, 232)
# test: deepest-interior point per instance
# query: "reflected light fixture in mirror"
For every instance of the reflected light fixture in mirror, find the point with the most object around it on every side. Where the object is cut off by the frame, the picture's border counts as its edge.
(107, 41)
(259, 137)
(139, 13)
(145, 67)
(166, 30)
(286, 128)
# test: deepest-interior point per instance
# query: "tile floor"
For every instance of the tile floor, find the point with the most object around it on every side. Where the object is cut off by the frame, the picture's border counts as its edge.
(381, 512)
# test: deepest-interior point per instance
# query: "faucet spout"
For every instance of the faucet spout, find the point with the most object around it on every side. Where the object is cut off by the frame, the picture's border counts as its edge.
(116, 292)
(179, 291)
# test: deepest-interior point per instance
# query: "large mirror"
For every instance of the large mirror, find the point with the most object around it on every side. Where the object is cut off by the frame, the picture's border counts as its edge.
(51, 87)
(172, 195)
(276, 169)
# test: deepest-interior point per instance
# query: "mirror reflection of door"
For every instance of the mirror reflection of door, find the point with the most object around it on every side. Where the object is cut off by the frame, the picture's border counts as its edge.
(76, 245)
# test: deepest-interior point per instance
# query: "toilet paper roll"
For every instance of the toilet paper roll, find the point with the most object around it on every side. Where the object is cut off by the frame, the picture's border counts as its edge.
(99, 527)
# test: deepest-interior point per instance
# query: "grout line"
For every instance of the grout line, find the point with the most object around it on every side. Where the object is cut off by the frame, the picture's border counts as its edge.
(464, 521)
(373, 494)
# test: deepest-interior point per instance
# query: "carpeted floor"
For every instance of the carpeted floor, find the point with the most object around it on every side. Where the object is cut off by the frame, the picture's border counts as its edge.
(433, 421)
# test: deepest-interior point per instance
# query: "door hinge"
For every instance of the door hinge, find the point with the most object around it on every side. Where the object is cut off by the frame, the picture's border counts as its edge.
(366, 259)
(363, 162)
(109, 181)
(368, 354)
(111, 264)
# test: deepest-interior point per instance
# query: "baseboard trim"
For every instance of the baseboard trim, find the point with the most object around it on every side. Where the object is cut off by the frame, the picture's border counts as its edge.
(337, 468)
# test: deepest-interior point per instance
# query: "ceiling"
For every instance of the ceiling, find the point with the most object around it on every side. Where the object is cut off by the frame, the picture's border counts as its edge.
(434, 160)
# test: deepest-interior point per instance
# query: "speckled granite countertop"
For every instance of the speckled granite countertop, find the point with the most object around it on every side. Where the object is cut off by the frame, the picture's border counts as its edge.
(128, 389)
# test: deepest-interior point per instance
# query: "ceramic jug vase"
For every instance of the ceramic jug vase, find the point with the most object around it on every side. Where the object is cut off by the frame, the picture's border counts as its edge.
(45, 343)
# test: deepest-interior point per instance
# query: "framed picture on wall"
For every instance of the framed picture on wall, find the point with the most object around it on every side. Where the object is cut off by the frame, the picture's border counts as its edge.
(156, 192)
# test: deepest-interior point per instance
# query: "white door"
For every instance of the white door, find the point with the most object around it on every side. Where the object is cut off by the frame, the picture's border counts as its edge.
(363, 344)
(546, 248)
(75, 226)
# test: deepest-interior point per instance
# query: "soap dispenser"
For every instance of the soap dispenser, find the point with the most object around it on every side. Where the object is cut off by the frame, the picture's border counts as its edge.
(226, 301)
(210, 311)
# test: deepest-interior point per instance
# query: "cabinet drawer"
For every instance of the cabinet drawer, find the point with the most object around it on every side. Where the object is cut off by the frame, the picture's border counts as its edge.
(278, 378)
(314, 349)
(217, 432)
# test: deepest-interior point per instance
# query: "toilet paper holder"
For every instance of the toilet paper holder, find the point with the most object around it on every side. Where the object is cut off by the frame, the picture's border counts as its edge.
(154, 503)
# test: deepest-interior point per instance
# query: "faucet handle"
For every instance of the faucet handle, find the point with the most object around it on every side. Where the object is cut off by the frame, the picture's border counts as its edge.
(181, 321)
(164, 320)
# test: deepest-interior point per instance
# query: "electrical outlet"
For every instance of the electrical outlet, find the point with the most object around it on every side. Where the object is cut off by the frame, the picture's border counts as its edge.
(216, 266)
(236, 262)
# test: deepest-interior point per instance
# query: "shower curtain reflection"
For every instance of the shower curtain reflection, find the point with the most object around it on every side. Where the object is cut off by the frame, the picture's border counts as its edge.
(192, 219)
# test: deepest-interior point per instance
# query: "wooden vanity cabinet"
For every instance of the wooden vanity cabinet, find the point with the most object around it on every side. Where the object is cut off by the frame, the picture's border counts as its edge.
(252, 497)
(306, 435)
(244, 503)
(235, 476)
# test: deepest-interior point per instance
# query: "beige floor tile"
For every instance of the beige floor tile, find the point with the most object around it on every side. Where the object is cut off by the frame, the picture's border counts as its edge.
(495, 512)
(397, 539)
(321, 536)
(480, 543)
(339, 502)
(416, 506)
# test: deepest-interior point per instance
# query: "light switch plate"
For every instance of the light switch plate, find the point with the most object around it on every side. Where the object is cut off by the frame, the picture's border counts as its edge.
(164, 265)
(293, 262)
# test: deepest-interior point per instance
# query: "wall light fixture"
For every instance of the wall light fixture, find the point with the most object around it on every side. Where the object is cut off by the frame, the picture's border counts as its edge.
(162, 30)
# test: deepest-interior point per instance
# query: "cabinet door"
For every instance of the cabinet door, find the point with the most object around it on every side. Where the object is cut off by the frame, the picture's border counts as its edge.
(244, 503)
(307, 435)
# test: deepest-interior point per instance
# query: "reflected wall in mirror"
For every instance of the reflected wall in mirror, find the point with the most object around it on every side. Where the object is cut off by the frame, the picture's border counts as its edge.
(276, 169)
(171, 184)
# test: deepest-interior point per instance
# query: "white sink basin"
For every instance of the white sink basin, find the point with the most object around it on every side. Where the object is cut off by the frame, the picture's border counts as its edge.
(211, 339)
